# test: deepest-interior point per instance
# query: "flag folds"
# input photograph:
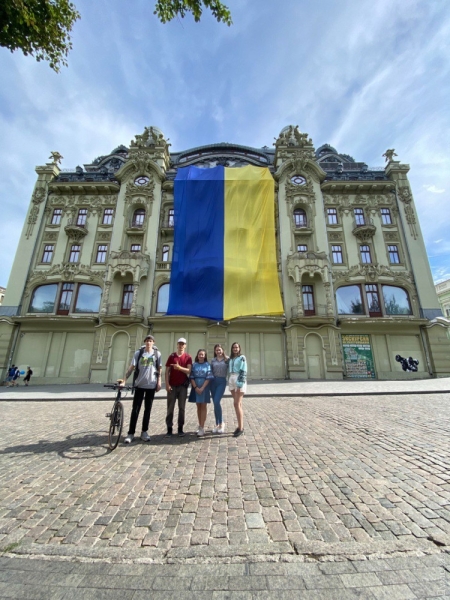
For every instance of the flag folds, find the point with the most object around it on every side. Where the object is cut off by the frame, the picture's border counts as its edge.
(224, 258)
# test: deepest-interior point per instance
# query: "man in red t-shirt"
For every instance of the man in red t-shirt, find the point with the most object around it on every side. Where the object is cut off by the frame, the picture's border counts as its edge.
(178, 369)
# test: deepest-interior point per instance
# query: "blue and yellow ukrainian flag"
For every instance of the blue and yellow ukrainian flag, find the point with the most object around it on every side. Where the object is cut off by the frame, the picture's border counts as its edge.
(224, 259)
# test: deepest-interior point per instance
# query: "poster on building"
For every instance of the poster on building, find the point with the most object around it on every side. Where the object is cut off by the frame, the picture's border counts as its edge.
(358, 358)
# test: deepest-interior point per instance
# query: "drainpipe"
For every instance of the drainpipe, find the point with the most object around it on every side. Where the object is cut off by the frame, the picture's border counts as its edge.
(286, 370)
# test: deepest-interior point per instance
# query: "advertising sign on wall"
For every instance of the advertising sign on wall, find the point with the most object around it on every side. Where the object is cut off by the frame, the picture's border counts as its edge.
(358, 357)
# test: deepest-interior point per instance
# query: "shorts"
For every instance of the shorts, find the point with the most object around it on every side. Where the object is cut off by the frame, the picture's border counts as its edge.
(232, 383)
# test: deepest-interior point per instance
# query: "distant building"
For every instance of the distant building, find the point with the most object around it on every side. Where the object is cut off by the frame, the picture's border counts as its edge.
(353, 269)
(2, 294)
(443, 294)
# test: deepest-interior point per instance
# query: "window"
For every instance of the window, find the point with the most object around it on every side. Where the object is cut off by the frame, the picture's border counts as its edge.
(165, 253)
(102, 251)
(365, 254)
(74, 253)
(349, 300)
(308, 300)
(394, 257)
(108, 215)
(43, 299)
(127, 299)
(396, 301)
(163, 298)
(56, 216)
(135, 248)
(332, 216)
(373, 300)
(48, 253)
(171, 221)
(392, 301)
(65, 298)
(138, 217)
(302, 248)
(359, 216)
(300, 217)
(386, 218)
(88, 298)
(337, 254)
(82, 216)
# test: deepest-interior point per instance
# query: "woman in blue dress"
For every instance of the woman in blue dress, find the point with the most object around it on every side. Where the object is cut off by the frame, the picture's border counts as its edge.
(200, 377)
(219, 367)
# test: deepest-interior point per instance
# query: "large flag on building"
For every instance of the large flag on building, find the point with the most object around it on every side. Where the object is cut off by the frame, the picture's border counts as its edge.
(224, 258)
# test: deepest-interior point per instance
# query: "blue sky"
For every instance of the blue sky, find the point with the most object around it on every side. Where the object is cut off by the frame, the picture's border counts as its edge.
(361, 75)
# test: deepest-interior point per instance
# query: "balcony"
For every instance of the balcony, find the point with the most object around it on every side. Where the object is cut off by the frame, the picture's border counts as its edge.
(307, 262)
(319, 310)
(163, 266)
(136, 227)
(75, 230)
(116, 309)
(364, 231)
(167, 227)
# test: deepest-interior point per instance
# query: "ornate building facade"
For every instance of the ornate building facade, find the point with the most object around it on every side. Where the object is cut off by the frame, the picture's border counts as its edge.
(443, 294)
(353, 269)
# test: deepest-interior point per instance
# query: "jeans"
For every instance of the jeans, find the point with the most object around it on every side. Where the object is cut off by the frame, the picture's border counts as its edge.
(178, 392)
(218, 385)
(137, 403)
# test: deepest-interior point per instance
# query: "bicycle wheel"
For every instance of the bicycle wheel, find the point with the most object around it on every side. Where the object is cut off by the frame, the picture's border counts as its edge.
(115, 425)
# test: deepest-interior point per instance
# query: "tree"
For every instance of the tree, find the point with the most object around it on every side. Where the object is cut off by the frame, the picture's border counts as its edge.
(166, 10)
(38, 27)
(42, 28)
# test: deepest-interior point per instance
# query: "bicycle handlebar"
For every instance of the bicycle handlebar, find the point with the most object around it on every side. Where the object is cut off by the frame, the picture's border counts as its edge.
(116, 386)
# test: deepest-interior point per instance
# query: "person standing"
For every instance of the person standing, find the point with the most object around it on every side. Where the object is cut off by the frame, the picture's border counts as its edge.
(200, 378)
(28, 375)
(178, 369)
(11, 373)
(147, 380)
(237, 384)
(219, 369)
(16, 377)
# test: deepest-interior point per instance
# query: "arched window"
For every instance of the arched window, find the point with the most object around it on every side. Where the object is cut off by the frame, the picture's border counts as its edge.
(396, 301)
(88, 298)
(163, 298)
(43, 299)
(349, 300)
(138, 218)
(300, 218)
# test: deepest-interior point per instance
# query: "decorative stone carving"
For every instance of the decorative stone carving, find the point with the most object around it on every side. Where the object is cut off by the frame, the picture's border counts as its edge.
(151, 137)
(50, 237)
(142, 195)
(123, 262)
(32, 219)
(55, 157)
(389, 155)
(38, 195)
(405, 196)
(371, 272)
(104, 236)
(391, 236)
(336, 236)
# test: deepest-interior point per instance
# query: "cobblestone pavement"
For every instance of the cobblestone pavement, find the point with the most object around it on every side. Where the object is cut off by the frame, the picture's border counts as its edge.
(313, 480)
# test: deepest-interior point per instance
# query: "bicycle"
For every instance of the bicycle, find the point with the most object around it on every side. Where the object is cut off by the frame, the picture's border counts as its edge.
(116, 414)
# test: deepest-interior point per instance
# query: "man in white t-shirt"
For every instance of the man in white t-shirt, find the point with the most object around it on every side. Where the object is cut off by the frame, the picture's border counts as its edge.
(147, 363)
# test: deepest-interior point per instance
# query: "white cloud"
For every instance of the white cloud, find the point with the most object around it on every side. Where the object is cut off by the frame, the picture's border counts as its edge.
(433, 189)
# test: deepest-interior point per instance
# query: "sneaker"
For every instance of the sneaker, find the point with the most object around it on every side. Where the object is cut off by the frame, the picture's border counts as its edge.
(200, 432)
(221, 428)
(169, 433)
(129, 438)
(145, 437)
(216, 429)
(238, 432)
(181, 433)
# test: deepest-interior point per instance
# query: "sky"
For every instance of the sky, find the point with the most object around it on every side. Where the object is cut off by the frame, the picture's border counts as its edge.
(360, 75)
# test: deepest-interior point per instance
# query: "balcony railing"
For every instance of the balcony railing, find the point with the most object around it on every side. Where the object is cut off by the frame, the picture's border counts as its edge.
(163, 266)
(320, 310)
(76, 229)
(116, 308)
(168, 224)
